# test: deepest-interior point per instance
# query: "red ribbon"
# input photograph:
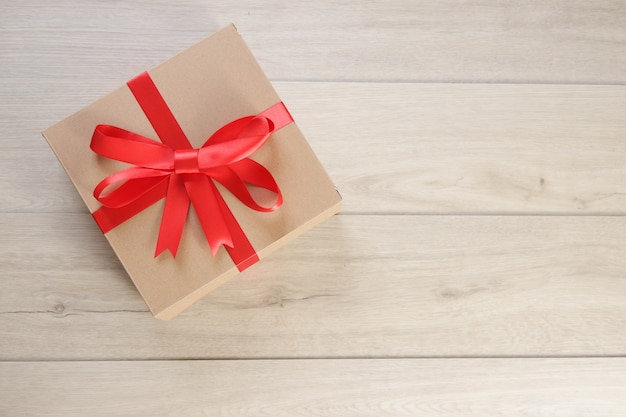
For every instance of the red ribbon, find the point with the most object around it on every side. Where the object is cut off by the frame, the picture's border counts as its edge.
(184, 175)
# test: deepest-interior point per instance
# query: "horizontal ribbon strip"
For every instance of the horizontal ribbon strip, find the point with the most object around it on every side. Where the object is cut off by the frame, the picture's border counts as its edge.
(186, 176)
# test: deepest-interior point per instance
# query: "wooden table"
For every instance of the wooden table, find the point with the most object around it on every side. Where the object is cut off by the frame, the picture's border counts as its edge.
(478, 266)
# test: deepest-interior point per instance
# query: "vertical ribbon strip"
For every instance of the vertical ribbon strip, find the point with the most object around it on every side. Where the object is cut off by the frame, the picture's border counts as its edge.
(186, 176)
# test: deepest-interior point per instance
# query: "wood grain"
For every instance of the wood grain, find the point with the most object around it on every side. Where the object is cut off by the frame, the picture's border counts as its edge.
(410, 387)
(560, 41)
(420, 148)
(356, 286)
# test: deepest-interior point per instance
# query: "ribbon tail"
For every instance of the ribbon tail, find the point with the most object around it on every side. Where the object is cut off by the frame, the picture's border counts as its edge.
(174, 217)
(219, 224)
(242, 252)
(205, 198)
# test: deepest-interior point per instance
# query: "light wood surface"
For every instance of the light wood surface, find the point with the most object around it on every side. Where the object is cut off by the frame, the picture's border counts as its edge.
(480, 151)
(381, 286)
(558, 41)
(388, 387)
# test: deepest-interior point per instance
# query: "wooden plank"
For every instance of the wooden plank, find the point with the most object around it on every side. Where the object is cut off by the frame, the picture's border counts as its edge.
(406, 148)
(408, 387)
(356, 286)
(457, 149)
(514, 41)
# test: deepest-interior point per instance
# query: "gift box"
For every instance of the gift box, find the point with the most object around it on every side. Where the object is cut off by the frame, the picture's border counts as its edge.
(194, 170)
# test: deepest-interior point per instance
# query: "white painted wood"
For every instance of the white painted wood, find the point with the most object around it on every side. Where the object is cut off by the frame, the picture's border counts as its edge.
(388, 387)
(355, 286)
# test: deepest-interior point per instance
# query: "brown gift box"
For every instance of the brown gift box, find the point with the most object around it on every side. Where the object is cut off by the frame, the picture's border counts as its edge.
(206, 86)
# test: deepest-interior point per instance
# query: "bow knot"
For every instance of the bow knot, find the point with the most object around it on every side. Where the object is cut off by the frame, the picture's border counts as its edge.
(186, 161)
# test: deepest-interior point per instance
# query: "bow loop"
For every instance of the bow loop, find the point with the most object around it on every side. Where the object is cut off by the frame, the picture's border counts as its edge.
(125, 146)
(129, 186)
(238, 178)
(235, 141)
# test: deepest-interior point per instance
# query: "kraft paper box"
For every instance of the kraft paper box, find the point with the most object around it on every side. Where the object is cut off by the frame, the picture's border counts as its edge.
(205, 88)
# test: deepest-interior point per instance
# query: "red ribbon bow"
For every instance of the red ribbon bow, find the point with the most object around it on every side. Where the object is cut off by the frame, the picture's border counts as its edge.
(184, 175)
